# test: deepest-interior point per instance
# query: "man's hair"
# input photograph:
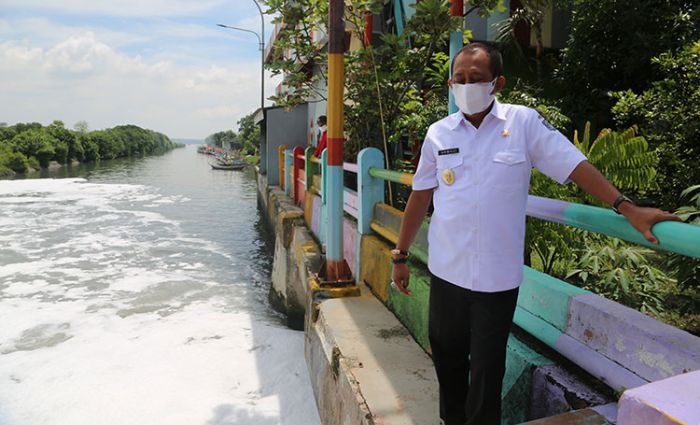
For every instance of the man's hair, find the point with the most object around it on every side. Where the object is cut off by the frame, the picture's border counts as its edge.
(322, 119)
(495, 58)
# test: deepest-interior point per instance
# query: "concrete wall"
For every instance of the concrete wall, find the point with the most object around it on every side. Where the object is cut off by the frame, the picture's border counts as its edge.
(283, 128)
(288, 291)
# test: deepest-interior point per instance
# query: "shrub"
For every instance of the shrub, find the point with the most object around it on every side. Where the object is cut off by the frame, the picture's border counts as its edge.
(668, 116)
(621, 272)
(17, 162)
(611, 46)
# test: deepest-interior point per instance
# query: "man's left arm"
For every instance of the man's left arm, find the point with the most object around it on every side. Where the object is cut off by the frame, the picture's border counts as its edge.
(588, 178)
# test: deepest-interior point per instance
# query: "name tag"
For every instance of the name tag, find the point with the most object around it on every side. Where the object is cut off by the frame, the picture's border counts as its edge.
(448, 151)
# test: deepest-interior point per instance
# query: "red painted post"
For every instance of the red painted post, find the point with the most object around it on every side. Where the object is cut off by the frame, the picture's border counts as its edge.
(369, 27)
(457, 8)
(298, 165)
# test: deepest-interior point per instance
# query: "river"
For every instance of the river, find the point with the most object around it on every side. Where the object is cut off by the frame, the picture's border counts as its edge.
(135, 292)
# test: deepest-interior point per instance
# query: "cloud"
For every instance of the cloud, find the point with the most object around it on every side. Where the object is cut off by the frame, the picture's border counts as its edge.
(126, 8)
(44, 31)
(82, 77)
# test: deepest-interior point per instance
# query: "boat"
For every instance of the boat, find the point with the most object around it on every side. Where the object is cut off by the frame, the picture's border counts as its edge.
(205, 149)
(232, 167)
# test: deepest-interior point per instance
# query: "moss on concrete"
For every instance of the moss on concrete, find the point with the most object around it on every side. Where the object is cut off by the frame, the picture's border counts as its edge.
(412, 310)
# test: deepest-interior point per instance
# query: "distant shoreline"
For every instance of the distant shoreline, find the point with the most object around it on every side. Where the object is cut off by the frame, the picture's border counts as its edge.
(189, 141)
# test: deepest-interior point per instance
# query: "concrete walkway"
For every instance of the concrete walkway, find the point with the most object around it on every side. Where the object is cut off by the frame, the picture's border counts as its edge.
(367, 368)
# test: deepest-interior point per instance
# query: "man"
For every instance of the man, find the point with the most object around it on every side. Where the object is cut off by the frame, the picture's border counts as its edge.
(322, 141)
(475, 165)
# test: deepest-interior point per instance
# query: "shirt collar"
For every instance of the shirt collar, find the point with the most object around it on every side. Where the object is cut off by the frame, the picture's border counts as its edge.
(458, 117)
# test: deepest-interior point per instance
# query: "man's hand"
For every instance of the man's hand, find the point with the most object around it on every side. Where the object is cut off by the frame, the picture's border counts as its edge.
(588, 178)
(399, 277)
(642, 218)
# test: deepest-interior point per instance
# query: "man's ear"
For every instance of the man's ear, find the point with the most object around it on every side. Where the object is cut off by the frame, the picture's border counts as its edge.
(500, 83)
(449, 82)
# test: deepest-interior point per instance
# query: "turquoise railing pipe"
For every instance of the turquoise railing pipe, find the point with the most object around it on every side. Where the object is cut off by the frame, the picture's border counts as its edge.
(392, 176)
(677, 237)
(673, 236)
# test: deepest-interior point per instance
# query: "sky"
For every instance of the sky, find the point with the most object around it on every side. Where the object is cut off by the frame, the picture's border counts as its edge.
(158, 64)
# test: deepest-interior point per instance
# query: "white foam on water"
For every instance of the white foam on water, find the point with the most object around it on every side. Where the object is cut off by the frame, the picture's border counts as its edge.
(112, 315)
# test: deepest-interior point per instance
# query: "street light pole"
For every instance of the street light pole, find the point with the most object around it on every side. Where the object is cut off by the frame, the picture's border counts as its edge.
(261, 44)
(262, 60)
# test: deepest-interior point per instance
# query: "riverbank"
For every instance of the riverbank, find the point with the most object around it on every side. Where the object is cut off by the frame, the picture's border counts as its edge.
(28, 147)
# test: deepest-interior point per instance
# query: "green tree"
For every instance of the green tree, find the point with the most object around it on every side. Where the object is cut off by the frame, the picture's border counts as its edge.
(91, 150)
(668, 115)
(81, 126)
(11, 162)
(109, 146)
(531, 13)
(688, 269)
(388, 83)
(627, 162)
(296, 51)
(610, 49)
(65, 144)
(37, 143)
(17, 162)
(249, 134)
(223, 138)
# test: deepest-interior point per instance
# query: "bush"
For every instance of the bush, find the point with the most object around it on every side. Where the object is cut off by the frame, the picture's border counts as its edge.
(17, 162)
(33, 163)
(668, 116)
(621, 272)
(611, 46)
(36, 142)
(33, 146)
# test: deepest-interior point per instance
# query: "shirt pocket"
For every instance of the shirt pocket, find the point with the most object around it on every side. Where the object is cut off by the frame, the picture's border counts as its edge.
(509, 167)
(509, 157)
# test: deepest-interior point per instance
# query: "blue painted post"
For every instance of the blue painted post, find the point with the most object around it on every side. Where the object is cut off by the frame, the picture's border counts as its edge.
(334, 209)
(324, 173)
(370, 191)
(323, 220)
(456, 43)
(398, 15)
(409, 8)
(288, 172)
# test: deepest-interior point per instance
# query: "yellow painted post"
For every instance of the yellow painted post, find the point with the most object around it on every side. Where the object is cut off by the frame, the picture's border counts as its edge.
(280, 151)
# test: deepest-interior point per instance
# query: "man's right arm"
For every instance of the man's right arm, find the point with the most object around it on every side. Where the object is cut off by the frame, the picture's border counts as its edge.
(416, 208)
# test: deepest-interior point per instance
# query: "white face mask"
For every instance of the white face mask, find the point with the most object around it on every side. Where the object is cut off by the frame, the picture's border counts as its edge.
(473, 98)
(323, 127)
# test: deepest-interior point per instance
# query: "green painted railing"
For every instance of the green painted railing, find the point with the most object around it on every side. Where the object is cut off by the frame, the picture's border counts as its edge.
(673, 236)
(392, 176)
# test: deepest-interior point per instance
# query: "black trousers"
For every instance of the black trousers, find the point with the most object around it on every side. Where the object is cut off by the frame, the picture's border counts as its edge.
(468, 333)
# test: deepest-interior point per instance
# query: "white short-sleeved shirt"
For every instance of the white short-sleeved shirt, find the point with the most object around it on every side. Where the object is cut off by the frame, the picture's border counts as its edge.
(477, 231)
